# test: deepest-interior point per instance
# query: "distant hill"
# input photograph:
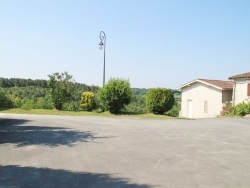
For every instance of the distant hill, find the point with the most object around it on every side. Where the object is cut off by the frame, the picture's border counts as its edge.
(143, 91)
(21, 82)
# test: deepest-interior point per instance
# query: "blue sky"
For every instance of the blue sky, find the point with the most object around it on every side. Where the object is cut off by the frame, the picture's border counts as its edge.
(152, 43)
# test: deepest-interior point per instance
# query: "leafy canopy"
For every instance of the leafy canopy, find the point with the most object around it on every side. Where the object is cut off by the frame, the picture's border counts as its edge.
(159, 100)
(62, 86)
(115, 95)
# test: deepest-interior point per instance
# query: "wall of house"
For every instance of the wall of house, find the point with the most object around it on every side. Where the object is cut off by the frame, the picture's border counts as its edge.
(241, 91)
(198, 93)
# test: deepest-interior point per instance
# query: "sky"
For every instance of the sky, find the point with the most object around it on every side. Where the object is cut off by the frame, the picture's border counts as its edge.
(153, 43)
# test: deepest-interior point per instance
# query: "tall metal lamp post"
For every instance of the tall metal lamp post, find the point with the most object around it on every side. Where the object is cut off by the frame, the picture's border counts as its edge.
(102, 44)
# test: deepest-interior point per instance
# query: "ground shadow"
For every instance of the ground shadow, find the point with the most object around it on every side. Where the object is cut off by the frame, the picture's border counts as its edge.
(17, 176)
(17, 131)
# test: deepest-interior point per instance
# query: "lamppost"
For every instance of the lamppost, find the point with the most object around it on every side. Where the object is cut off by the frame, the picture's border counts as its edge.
(103, 45)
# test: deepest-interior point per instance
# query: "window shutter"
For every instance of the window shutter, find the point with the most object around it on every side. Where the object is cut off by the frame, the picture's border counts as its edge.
(248, 90)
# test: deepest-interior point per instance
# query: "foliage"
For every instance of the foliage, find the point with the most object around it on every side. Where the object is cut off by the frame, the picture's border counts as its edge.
(115, 95)
(19, 82)
(88, 101)
(5, 100)
(35, 94)
(137, 103)
(44, 103)
(240, 109)
(28, 105)
(29, 92)
(61, 85)
(174, 112)
(17, 103)
(70, 106)
(159, 100)
(20, 91)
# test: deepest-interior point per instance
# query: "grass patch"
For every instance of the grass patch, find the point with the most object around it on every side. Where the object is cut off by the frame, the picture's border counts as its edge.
(82, 113)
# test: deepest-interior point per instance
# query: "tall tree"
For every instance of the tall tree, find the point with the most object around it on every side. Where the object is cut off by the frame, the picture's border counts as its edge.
(61, 87)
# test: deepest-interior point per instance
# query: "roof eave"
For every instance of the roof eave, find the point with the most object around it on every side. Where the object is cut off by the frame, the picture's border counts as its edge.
(198, 80)
(240, 78)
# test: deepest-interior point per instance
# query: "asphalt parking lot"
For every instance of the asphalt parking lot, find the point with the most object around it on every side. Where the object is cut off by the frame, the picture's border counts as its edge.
(60, 151)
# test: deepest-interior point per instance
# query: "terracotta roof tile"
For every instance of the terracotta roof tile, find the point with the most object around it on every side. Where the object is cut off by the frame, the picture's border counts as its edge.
(244, 75)
(219, 83)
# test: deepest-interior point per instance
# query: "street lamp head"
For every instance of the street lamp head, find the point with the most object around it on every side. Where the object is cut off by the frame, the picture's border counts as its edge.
(101, 45)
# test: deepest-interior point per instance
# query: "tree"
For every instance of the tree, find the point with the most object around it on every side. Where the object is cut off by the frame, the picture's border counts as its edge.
(5, 101)
(61, 87)
(88, 101)
(115, 95)
(159, 100)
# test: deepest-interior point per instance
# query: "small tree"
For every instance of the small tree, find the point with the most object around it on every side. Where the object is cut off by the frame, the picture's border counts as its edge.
(159, 100)
(62, 86)
(88, 101)
(115, 95)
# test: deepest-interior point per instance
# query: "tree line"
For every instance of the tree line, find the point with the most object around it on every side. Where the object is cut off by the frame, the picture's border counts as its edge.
(63, 93)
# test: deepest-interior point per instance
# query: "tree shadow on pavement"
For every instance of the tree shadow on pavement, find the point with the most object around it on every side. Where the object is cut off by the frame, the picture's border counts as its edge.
(17, 131)
(17, 176)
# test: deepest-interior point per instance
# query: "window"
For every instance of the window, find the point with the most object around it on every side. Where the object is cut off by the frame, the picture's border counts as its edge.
(205, 107)
(248, 90)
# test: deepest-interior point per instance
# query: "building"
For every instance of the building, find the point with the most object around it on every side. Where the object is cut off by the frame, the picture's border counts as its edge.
(241, 88)
(202, 98)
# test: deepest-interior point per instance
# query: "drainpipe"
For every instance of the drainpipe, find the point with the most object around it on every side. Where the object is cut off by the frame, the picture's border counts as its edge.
(233, 99)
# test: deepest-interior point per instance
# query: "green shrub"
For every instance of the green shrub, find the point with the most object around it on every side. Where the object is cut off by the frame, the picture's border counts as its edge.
(159, 100)
(49, 102)
(28, 105)
(40, 103)
(115, 95)
(70, 106)
(240, 109)
(174, 112)
(88, 101)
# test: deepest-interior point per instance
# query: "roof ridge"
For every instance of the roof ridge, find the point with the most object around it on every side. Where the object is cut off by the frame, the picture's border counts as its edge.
(214, 80)
(220, 84)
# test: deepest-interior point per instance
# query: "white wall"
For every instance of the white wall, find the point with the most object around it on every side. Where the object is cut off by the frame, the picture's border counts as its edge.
(199, 93)
(241, 91)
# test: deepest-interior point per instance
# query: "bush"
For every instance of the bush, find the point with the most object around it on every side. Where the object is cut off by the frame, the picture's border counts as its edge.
(28, 105)
(240, 109)
(40, 103)
(159, 100)
(70, 106)
(115, 95)
(88, 101)
(174, 112)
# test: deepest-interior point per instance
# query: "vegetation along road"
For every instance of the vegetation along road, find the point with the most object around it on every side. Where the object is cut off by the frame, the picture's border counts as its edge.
(67, 151)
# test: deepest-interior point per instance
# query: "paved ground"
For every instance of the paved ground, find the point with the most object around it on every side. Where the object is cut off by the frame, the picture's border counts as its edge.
(54, 151)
